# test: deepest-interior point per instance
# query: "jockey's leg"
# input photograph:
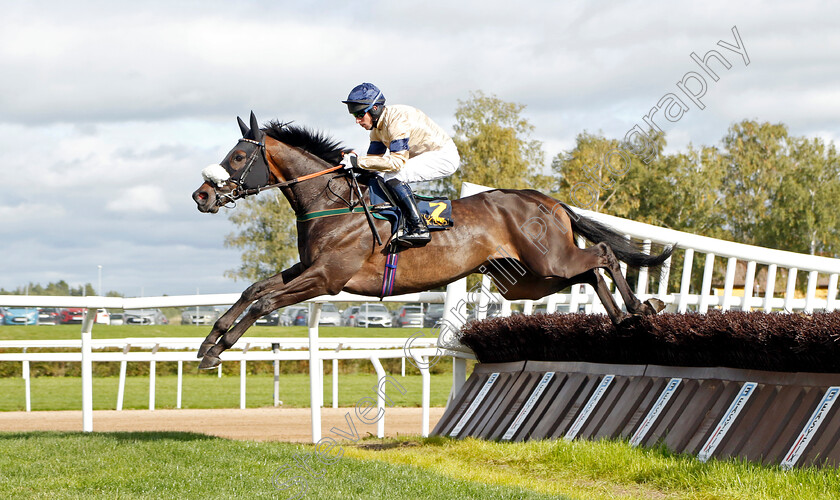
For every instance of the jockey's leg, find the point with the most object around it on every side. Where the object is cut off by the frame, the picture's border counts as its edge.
(424, 167)
(416, 232)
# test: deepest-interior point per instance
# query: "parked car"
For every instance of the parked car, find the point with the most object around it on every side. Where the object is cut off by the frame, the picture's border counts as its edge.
(432, 315)
(348, 317)
(2, 315)
(301, 317)
(408, 316)
(200, 315)
(117, 319)
(289, 314)
(20, 316)
(72, 315)
(329, 315)
(48, 316)
(373, 315)
(103, 317)
(145, 317)
(270, 319)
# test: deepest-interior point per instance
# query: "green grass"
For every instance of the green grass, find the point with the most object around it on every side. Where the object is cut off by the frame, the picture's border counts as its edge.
(210, 391)
(184, 465)
(605, 469)
(73, 332)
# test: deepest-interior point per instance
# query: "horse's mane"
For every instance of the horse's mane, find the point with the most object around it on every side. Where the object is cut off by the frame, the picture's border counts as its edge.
(311, 141)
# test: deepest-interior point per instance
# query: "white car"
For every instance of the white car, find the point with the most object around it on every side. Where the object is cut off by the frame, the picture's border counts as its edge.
(329, 315)
(373, 315)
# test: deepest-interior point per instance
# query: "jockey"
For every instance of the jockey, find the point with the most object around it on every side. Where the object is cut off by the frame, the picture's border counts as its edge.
(419, 150)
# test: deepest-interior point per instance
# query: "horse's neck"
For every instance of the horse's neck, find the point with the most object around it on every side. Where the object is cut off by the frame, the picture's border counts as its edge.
(312, 194)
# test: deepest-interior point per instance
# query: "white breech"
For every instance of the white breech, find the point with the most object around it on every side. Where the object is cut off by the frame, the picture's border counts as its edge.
(428, 166)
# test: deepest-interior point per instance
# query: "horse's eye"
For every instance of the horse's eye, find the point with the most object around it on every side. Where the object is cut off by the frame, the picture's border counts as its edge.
(238, 157)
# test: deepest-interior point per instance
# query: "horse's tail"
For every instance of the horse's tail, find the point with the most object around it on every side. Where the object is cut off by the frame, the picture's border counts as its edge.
(626, 250)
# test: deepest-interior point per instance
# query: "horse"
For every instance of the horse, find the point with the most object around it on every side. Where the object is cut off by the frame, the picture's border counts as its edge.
(493, 234)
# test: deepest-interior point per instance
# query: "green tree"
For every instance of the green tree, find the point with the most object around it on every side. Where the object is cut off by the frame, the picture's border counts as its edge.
(803, 218)
(267, 236)
(681, 191)
(755, 159)
(494, 142)
(601, 174)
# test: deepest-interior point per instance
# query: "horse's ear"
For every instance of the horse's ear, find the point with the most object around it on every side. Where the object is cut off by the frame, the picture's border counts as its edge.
(244, 128)
(256, 133)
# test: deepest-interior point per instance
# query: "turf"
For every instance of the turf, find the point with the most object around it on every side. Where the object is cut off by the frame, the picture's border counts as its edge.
(603, 470)
(184, 465)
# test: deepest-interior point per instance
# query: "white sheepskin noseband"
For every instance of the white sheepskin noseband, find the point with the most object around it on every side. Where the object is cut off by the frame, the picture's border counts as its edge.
(215, 174)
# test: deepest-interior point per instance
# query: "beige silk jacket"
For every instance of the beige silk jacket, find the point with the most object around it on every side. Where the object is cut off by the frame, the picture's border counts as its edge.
(404, 132)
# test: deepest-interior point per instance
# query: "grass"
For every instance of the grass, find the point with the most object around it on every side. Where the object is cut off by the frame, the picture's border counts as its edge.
(210, 391)
(602, 470)
(73, 332)
(185, 465)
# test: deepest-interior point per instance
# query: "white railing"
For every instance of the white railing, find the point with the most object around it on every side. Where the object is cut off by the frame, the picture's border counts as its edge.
(732, 253)
(419, 351)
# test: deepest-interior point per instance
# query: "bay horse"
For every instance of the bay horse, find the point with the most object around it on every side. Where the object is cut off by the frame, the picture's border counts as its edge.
(338, 253)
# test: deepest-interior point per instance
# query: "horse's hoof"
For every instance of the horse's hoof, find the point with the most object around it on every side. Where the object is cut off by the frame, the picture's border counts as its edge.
(208, 362)
(655, 304)
(628, 320)
(202, 350)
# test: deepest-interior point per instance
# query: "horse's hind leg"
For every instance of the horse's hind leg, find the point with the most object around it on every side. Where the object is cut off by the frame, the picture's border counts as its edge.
(611, 265)
(594, 279)
(532, 286)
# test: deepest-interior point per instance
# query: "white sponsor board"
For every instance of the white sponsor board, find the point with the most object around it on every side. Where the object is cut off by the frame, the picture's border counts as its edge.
(474, 405)
(587, 410)
(529, 405)
(814, 423)
(654, 412)
(727, 420)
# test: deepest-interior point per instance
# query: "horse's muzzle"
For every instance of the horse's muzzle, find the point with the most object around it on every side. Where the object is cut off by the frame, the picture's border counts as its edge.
(205, 199)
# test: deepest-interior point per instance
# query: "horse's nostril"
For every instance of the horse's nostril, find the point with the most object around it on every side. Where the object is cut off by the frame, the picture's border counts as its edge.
(202, 196)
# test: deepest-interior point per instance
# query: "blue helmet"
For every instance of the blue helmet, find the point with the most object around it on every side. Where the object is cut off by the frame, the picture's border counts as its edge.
(363, 97)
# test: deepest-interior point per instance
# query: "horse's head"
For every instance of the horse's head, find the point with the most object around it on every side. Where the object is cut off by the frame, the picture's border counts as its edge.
(244, 168)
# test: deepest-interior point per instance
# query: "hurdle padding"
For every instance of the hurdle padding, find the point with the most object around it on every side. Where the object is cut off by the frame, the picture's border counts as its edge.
(789, 419)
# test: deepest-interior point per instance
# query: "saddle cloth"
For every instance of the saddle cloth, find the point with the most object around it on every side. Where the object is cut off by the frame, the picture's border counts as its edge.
(436, 211)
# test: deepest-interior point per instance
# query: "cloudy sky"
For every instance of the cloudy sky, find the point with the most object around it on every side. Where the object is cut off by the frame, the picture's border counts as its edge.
(110, 109)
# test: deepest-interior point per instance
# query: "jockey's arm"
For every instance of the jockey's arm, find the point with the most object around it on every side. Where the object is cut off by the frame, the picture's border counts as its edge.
(377, 160)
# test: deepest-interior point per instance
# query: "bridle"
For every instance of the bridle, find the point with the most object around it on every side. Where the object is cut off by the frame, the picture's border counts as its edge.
(247, 187)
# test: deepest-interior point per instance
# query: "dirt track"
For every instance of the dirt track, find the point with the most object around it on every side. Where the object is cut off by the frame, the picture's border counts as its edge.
(258, 424)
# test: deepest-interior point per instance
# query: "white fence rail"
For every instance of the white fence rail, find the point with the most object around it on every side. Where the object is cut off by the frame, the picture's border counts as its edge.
(419, 351)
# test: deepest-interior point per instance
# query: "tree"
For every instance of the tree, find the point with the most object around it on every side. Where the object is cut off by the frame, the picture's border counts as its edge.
(803, 217)
(602, 174)
(756, 158)
(268, 236)
(494, 142)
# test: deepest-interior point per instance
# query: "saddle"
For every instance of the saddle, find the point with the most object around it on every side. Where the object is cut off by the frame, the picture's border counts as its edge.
(436, 211)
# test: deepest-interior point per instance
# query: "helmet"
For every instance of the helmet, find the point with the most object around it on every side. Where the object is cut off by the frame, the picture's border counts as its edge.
(362, 99)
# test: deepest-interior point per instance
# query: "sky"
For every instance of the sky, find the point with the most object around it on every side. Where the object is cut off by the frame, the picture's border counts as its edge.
(110, 109)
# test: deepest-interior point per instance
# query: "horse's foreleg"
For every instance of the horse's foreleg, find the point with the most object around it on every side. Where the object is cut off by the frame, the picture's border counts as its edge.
(309, 284)
(252, 293)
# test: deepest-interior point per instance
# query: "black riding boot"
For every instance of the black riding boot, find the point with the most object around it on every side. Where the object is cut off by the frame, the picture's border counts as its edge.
(416, 232)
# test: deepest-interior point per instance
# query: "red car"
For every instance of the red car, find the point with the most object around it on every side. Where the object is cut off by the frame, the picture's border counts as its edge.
(72, 315)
